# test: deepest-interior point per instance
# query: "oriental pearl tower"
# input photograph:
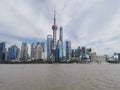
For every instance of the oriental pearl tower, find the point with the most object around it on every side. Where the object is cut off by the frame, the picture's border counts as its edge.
(54, 28)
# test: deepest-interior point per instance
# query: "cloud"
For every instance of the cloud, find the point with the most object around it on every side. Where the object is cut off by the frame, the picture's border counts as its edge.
(90, 23)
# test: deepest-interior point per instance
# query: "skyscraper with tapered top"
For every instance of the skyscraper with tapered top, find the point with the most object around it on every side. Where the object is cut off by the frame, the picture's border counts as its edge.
(59, 47)
(61, 39)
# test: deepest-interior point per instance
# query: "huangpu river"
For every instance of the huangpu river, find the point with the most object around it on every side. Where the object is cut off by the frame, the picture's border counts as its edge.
(59, 76)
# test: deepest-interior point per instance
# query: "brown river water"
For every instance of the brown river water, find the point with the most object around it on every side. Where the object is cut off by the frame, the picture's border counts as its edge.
(59, 76)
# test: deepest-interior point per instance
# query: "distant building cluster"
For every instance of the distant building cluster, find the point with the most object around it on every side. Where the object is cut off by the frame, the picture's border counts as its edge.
(114, 58)
(57, 50)
(38, 51)
(16, 54)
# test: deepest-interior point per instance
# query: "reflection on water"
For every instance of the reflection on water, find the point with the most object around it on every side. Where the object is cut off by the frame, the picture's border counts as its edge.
(59, 77)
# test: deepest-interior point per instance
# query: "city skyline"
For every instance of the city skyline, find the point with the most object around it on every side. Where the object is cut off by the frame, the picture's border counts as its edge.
(87, 23)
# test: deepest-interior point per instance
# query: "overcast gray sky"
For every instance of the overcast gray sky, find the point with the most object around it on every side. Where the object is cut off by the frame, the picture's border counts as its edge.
(90, 23)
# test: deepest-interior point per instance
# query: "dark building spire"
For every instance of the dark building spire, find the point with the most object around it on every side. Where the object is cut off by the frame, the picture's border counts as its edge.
(61, 33)
(54, 17)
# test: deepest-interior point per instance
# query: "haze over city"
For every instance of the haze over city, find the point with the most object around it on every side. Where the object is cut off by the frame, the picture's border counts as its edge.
(89, 23)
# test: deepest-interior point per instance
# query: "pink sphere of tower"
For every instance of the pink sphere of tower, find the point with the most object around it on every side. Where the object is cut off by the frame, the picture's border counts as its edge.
(54, 27)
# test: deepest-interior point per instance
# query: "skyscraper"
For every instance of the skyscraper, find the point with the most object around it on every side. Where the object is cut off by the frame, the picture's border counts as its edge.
(73, 53)
(18, 53)
(85, 55)
(49, 46)
(59, 57)
(38, 51)
(32, 50)
(13, 53)
(24, 52)
(68, 50)
(59, 47)
(61, 39)
(54, 28)
(43, 46)
(78, 51)
(43, 52)
(2, 51)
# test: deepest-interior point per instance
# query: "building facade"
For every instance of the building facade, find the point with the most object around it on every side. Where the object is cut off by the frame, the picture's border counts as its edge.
(43, 52)
(24, 52)
(49, 46)
(32, 50)
(59, 47)
(68, 50)
(59, 55)
(2, 51)
(61, 39)
(38, 51)
(13, 53)
(84, 54)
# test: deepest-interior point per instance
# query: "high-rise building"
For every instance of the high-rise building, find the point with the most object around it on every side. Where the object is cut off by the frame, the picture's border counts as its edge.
(93, 56)
(78, 51)
(2, 51)
(49, 46)
(59, 47)
(73, 53)
(9, 53)
(24, 52)
(116, 56)
(6, 55)
(68, 50)
(54, 28)
(85, 53)
(59, 56)
(38, 51)
(13, 53)
(18, 53)
(61, 39)
(32, 50)
(43, 46)
(119, 56)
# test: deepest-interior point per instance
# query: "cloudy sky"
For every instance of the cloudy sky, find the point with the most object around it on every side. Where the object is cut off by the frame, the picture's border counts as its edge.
(90, 23)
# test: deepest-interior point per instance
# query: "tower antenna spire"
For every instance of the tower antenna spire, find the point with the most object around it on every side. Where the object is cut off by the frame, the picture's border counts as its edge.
(54, 17)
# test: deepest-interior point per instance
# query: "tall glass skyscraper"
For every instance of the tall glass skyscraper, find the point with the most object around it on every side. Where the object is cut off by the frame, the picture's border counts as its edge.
(43, 52)
(85, 54)
(49, 46)
(24, 52)
(32, 50)
(13, 53)
(61, 39)
(59, 56)
(2, 51)
(59, 47)
(43, 46)
(68, 50)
